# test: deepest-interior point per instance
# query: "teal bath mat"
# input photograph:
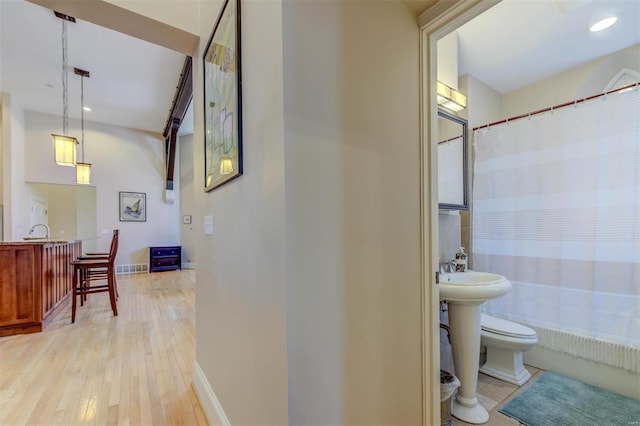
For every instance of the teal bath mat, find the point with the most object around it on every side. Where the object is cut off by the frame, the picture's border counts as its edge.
(555, 400)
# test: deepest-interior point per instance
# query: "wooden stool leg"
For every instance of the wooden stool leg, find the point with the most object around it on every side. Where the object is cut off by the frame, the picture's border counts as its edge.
(112, 291)
(75, 293)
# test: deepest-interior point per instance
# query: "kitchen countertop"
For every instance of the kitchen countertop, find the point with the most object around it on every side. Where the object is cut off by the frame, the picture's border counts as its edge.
(37, 242)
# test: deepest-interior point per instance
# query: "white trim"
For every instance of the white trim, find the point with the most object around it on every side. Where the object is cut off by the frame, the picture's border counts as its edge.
(624, 71)
(188, 265)
(208, 400)
(435, 22)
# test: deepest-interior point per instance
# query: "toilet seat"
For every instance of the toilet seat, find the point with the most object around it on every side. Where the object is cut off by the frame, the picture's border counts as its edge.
(505, 327)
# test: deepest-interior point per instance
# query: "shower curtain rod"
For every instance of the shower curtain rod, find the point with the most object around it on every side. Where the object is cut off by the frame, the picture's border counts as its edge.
(540, 111)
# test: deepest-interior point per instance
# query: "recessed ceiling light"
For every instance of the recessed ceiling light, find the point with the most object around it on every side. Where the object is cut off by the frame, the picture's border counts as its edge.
(603, 24)
(87, 109)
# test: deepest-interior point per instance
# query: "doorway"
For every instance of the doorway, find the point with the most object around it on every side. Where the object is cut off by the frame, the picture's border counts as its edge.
(435, 23)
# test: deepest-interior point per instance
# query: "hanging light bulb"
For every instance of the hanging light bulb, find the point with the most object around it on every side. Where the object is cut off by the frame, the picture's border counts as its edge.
(83, 170)
(65, 145)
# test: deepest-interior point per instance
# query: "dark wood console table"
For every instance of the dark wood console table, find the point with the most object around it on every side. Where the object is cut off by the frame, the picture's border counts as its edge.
(166, 258)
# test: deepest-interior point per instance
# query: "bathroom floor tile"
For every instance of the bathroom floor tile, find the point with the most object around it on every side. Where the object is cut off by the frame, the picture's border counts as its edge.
(486, 402)
(498, 390)
(498, 419)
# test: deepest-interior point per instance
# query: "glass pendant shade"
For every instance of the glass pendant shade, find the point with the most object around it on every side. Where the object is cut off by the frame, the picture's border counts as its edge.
(65, 150)
(83, 173)
(226, 166)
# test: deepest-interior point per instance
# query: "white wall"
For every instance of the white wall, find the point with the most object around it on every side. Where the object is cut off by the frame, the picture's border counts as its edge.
(122, 160)
(188, 232)
(352, 212)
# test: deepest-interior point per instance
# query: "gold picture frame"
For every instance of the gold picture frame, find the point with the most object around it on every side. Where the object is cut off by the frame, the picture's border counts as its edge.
(223, 100)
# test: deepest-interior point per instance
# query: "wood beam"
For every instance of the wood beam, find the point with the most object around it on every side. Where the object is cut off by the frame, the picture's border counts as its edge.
(125, 21)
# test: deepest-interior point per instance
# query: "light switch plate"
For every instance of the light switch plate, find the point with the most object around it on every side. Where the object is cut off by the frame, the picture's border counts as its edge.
(208, 225)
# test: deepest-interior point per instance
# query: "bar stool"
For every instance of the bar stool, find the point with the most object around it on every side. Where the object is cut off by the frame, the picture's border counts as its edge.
(87, 269)
(100, 273)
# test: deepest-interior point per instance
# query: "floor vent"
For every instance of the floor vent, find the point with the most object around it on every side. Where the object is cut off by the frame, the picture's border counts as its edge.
(140, 268)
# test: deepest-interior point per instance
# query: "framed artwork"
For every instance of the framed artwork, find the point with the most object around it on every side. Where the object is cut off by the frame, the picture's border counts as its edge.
(223, 99)
(133, 207)
(186, 219)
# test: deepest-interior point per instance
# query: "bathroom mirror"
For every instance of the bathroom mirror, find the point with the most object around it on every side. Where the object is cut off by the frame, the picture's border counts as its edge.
(452, 162)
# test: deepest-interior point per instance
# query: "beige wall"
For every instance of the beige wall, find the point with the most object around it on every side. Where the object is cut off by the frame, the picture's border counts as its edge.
(188, 232)
(182, 14)
(352, 212)
(241, 316)
(582, 81)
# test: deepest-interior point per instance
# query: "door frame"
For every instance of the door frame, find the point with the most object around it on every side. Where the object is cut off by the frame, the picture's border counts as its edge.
(435, 23)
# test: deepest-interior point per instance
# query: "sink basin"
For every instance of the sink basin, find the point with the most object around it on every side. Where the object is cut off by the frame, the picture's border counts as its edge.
(472, 286)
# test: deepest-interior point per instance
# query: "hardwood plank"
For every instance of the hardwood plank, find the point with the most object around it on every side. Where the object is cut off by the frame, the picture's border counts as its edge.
(131, 369)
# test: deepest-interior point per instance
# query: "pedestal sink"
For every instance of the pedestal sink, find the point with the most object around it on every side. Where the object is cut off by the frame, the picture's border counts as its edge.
(464, 293)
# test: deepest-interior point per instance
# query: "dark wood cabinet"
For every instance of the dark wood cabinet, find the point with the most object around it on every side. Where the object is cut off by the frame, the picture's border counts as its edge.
(165, 258)
(35, 282)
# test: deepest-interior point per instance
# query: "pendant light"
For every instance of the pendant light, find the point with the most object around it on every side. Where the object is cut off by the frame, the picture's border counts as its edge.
(65, 145)
(83, 170)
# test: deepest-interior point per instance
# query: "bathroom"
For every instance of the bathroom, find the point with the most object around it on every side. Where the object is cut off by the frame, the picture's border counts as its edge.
(613, 365)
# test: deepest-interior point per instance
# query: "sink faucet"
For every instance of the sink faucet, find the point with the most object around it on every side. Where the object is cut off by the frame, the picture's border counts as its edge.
(41, 224)
(447, 266)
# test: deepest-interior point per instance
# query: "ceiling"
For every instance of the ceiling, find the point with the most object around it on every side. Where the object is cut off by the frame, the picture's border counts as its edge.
(518, 42)
(133, 82)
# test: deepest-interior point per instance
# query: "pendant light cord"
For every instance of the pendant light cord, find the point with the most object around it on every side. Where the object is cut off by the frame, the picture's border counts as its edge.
(65, 80)
(82, 112)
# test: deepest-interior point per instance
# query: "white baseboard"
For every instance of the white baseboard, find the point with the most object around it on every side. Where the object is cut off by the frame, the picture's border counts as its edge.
(188, 265)
(210, 404)
(618, 380)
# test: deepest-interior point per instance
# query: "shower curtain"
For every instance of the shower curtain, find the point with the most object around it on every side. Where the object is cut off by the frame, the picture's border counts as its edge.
(556, 209)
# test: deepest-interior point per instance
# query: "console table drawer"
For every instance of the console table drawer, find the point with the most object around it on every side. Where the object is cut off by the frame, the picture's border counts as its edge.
(164, 251)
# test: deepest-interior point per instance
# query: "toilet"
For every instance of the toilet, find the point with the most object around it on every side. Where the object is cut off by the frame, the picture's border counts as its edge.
(505, 341)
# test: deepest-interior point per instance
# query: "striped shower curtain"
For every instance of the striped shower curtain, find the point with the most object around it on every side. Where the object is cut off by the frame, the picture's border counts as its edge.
(556, 209)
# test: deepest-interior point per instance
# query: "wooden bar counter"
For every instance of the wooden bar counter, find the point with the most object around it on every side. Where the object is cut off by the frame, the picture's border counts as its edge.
(36, 278)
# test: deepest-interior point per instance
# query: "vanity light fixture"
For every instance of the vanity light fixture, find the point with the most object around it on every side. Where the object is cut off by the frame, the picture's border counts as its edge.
(65, 145)
(603, 24)
(83, 170)
(450, 98)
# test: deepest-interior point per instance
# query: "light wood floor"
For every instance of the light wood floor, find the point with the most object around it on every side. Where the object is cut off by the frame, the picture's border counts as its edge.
(133, 369)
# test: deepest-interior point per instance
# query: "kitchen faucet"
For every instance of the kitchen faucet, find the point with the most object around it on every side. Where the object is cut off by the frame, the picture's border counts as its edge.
(41, 224)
